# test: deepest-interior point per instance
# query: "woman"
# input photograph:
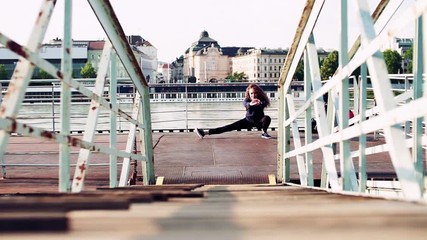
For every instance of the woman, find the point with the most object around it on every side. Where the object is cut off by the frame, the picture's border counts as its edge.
(255, 102)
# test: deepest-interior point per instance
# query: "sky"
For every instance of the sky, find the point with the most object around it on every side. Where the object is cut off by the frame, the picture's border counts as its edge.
(172, 25)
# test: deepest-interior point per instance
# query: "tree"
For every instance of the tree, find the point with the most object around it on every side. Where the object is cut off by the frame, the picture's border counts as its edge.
(393, 61)
(237, 77)
(88, 71)
(299, 72)
(44, 75)
(329, 66)
(3, 73)
(408, 57)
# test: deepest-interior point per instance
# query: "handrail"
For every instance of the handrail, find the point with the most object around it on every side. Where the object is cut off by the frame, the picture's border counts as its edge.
(332, 121)
(140, 118)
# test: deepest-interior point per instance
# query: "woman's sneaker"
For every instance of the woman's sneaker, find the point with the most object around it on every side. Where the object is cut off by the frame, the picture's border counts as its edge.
(200, 132)
(265, 136)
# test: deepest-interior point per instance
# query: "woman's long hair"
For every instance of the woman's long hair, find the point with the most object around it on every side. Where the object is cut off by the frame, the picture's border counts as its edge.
(260, 93)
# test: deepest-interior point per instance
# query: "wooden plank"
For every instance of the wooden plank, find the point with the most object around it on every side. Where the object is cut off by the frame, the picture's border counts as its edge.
(184, 187)
(33, 221)
(159, 195)
(60, 204)
(133, 197)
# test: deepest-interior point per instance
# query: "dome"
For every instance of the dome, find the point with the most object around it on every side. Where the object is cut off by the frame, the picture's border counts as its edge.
(204, 34)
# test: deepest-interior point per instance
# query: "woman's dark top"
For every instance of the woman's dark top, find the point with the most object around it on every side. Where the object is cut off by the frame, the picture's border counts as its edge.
(254, 113)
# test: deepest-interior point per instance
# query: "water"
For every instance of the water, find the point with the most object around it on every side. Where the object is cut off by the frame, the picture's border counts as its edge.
(164, 115)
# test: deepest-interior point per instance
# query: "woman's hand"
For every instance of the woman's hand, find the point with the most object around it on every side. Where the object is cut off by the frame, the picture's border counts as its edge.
(255, 102)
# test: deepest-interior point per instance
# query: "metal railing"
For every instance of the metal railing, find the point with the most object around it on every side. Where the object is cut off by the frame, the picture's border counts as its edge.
(334, 129)
(139, 119)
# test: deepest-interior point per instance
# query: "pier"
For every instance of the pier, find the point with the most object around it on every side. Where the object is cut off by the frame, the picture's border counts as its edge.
(239, 157)
(218, 187)
(351, 177)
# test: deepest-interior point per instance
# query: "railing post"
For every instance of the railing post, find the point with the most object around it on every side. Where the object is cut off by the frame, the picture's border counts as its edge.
(53, 107)
(347, 168)
(420, 90)
(186, 108)
(308, 133)
(113, 119)
(146, 138)
(280, 135)
(21, 76)
(362, 137)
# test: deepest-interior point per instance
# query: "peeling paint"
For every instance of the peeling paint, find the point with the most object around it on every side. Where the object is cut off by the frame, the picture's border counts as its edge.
(16, 48)
(13, 126)
(47, 134)
(59, 75)
(82, 167)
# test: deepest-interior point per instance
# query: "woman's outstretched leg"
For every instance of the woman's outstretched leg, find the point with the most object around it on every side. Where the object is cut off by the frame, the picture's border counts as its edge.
(238, 125)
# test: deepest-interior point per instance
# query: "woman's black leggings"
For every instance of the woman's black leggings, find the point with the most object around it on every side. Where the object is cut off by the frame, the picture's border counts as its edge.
(263, 124)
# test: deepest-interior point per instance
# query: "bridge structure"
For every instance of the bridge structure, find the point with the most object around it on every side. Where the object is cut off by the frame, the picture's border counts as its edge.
(402, 125)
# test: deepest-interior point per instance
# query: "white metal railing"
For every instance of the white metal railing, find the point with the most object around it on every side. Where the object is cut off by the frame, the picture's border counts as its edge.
(139, 119)
(406, 151)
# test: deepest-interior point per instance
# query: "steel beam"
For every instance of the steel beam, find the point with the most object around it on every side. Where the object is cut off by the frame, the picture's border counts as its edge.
(400, 155)
(83, 159)
(67, 71)
(23, 72)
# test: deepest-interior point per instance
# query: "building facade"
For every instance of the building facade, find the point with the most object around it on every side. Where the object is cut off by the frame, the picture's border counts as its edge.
(84, 51)
(51, 52)
(163, 73)
(401, 45)
(177, 70)
(204, 61)
(260, 65)
(207, 62)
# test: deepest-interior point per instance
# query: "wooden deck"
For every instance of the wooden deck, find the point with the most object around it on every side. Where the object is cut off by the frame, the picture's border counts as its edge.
(31, 206)
(215, 212)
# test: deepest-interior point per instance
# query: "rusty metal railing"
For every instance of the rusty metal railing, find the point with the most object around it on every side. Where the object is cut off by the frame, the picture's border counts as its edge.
(140, 118)
(406, 151)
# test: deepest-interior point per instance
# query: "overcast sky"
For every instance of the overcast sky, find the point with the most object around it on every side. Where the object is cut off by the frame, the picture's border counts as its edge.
(172, 25)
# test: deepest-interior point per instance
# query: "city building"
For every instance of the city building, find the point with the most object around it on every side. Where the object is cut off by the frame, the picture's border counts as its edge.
(51, 52)
(207, 62)
(260, 65)
(177, 70)
(84, 51)
(163, 73)
(401, 45)
(204, 61)
(146, 55)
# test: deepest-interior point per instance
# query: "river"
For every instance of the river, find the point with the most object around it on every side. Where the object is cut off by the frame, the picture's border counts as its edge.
(164, 115)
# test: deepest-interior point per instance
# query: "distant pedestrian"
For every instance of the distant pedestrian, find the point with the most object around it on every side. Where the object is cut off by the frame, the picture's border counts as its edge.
(255, 101)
